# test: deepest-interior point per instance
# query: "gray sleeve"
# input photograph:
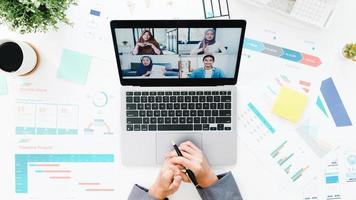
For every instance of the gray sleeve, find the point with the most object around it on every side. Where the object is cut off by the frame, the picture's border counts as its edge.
(139, 193)
(225, 189)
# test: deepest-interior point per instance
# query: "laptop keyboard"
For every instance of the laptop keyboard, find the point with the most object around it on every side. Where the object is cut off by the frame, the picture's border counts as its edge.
(178, 111)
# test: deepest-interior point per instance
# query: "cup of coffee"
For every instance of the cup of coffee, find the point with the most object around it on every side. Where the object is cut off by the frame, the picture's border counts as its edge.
(16, 57)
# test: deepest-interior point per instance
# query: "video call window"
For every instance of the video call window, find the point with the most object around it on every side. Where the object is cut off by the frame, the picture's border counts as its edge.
(178, 53)
(191, 35)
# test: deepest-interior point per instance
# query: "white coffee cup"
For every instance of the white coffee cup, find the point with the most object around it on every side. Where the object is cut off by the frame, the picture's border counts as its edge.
(29, 58)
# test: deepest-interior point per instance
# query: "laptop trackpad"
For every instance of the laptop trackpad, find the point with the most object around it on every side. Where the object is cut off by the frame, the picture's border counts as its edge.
(164, 144)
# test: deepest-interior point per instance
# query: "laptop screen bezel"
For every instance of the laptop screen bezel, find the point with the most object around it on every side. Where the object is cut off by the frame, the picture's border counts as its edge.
(178, 24)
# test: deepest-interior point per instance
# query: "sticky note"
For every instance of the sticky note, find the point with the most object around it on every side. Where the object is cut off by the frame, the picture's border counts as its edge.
(95, 13)
(290, 104)
(74, 66)
(3, 85)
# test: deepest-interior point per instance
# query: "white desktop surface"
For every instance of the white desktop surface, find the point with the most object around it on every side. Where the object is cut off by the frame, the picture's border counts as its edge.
(254, 182)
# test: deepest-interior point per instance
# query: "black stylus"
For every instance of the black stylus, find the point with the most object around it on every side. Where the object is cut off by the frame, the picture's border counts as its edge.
(187, 171)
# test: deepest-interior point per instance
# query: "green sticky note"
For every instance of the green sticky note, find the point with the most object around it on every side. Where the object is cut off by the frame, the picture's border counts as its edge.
(3, 85)
(74, 66)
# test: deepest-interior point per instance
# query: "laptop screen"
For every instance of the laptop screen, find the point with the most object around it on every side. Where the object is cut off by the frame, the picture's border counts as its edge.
(178, 53)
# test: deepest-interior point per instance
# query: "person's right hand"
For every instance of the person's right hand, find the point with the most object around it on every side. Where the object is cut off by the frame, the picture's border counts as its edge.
(139, 44)
(194, 160)
(167, 182)
(204, 48)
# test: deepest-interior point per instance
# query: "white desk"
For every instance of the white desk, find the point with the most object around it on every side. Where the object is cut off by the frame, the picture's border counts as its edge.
(254, 182)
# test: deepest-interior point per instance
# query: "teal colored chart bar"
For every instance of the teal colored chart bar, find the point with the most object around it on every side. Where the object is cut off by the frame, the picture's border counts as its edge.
(62, 131)
(22, 160)
(331, 179)
(25, 130)
(278, 149)
(253, 45)
(291, 55)
(46, 131)
(261, 118)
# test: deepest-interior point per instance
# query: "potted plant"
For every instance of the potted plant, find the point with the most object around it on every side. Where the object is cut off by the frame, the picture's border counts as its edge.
(31, 16)
(349, 51)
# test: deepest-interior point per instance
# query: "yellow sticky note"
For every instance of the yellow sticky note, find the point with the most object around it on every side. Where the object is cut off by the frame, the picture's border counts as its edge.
(290, 104)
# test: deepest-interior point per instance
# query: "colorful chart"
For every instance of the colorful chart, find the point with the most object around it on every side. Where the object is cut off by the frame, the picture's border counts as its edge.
(332, 172)
(281, 52)
(264, 121)
(284, 157)
(46, 119)
(350, 167)
(57, 166)
(98, 125)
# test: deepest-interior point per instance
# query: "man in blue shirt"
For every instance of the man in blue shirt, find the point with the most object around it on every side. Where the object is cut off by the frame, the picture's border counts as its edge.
(208, 71)
(211, 187)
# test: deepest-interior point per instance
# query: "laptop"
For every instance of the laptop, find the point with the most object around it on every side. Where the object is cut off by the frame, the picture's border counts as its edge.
(179, 83)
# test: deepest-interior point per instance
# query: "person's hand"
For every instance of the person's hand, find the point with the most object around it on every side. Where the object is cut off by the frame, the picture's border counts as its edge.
(204, 48)
(167, 182)
(194, 160)
(148, 44)
(147, 74)
(139, 44)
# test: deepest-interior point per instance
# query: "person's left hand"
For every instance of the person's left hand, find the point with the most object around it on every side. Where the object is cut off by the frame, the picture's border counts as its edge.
(167, 182)
(194, 160)
(206, 50)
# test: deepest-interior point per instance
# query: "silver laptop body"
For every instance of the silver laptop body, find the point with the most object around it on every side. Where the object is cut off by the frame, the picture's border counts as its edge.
(173, 106)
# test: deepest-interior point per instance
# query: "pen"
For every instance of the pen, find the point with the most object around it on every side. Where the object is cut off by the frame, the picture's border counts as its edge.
(188, 172)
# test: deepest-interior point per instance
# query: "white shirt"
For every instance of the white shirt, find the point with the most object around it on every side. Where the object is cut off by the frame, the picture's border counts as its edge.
(208, 73)
(213, 48)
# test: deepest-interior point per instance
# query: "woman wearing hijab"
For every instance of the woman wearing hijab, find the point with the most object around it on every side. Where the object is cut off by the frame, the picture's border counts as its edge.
(147, 45)
(208, 45)
(145, 67)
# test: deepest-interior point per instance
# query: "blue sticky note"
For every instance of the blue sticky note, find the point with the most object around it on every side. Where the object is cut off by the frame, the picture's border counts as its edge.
(334, 103)
(3, 85)
(95, 13)
(74, 66)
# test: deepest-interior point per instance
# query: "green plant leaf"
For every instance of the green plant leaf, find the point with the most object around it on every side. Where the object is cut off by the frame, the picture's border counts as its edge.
(31, 16)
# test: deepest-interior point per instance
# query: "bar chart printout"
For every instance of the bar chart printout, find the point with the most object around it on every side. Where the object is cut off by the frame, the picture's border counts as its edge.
(285, 159)
(64, 175)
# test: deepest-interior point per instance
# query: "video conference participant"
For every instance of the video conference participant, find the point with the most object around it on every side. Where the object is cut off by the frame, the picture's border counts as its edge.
(208, 45)
(147, 45)
(209, 70)
(144, 69)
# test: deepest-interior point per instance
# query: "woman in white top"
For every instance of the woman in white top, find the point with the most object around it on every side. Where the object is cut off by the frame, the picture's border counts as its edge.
(208, 45)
